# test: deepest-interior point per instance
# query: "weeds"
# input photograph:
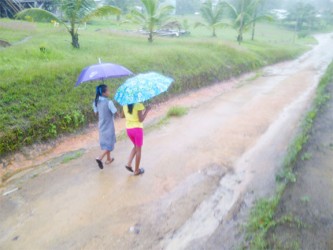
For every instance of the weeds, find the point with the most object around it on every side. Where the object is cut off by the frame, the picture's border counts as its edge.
(306, 157)
(305, 199)
(73, 156)
(177, 111)
(262, 216)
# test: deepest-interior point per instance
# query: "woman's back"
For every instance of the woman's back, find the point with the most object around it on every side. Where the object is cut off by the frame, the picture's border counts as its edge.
(132, 118)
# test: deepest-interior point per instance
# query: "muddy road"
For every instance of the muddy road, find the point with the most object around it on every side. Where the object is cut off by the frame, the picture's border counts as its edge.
(310, 199)
(199, 169)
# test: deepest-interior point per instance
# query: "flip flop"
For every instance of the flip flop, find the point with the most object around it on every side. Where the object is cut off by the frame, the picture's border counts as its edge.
(100, 163)
(141, 172)
(129, 168)
(109, 162)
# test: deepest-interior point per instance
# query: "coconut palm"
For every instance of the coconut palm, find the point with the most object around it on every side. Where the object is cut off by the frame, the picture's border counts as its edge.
(257, 16)
(303, 14)
(152, 15)
(73, 14)
(213, 15)
(244, 16)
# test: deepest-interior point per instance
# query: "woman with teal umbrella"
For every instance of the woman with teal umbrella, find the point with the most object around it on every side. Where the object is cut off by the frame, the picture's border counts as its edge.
(131, 96)
(135, 114)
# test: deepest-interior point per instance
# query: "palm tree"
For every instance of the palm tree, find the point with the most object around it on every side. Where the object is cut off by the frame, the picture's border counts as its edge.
(256, 5)
(74, 13)
(303, 14)
(244, 15)
(152, 15)
(213, 15)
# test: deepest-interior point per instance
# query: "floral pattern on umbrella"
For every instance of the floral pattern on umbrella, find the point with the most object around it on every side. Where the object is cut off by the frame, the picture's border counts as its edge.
(142, 87)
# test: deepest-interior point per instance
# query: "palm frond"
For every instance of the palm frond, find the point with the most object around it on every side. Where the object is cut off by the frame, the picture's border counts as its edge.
(232, 10)
(221, 25)
(137, 17)
(198, 24)
(38, 15)
(163, 14)
(150, 6)
(102, 12)
(77, 10)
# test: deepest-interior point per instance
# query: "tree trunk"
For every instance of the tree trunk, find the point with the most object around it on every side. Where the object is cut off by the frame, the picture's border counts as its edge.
(150, 38)
(254, 25)
(241, 24)
(75, 39)
(240, 37)
(74, 35)
(214, 32)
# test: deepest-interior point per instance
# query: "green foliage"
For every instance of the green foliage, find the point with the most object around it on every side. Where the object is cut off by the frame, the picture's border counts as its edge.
(75, 12)
(213, 16)
(244, 14)
(305, 199)
(261, 220)
(306, 156)
(303, 14)
(177, 111)
(72, 156)
(38, 100)
(153, 15)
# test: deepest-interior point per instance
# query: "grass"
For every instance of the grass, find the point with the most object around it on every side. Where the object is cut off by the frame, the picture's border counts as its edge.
(73, 156)
(177, 111)
(38, 101)
(306, 157)
(263, 217)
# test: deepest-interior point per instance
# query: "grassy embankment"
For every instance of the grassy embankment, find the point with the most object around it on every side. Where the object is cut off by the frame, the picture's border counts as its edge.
(37, 97)
(262, 218)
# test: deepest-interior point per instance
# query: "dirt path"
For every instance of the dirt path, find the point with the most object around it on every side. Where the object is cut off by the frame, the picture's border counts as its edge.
(198, 170)
(310, 199)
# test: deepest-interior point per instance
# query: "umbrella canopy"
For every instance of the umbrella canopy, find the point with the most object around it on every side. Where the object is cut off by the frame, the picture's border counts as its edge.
(142, 88)
(102, 71)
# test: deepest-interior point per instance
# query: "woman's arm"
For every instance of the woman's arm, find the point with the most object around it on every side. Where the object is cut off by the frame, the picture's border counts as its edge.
(143, 114)
(122, 115)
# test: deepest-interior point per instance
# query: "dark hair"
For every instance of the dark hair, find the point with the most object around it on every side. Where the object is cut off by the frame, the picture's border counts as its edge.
(130, 108)
(100, 90)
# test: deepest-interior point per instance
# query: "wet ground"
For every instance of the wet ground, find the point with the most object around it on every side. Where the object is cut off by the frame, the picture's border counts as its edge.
(309, 201)
(201, 171)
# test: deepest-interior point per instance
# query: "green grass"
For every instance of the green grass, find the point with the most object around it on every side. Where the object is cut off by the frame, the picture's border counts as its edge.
(263, 217)
(72, 156)
(177, 111)
(38, 100)
(306, 157)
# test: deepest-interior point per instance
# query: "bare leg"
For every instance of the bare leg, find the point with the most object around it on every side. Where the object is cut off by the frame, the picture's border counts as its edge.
(103, 155)
(108, 158)
(137, 159)
(131, 157)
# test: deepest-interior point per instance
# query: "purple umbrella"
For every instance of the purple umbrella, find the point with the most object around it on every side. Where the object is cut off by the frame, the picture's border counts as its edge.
(102, 71)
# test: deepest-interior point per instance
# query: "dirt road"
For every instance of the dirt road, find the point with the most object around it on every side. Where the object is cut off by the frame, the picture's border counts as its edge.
(310, 199)
(198, 170)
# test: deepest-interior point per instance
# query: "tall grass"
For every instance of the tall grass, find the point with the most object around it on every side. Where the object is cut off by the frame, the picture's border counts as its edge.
(38, 100)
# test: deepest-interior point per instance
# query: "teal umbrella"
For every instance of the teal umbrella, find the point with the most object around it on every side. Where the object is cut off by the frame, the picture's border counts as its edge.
(142, 87)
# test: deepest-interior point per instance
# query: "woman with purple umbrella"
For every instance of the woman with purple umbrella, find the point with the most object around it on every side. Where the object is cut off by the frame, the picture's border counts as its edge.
(105, 109)
(102, 105)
